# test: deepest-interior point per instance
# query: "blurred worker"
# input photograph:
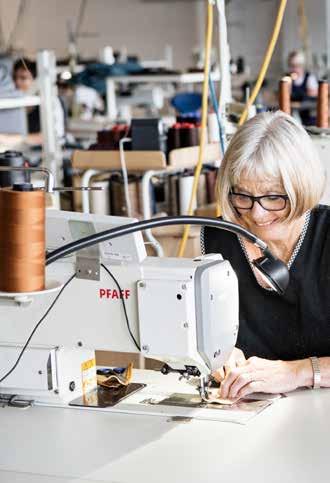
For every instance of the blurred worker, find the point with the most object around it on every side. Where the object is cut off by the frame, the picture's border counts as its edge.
(24, 75)
(80, 101)
(304, 84)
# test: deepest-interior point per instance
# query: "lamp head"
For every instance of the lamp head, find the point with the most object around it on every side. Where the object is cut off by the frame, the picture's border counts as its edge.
(273, 270)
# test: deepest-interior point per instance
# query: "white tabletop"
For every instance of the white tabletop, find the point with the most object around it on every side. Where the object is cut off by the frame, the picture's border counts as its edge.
(288, 442)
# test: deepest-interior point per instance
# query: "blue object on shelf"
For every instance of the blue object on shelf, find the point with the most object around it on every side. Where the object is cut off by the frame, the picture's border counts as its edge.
(187, 103)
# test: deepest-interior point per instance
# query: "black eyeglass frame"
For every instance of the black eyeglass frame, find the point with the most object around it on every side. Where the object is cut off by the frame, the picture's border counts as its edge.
(258, 199)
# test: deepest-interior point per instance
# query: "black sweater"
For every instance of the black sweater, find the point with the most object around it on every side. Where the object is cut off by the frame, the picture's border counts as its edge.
(297, 324)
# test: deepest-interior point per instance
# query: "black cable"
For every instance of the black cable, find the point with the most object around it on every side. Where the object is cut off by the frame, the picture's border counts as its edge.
(81, 15)
(35, 329)
(19, 17)
(124, 306)
(153, 223)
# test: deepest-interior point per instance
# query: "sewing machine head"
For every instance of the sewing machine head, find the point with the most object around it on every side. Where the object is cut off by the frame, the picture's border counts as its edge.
(180, 311)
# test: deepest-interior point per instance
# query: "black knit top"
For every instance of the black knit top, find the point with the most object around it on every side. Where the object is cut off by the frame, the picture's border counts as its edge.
(297, 324)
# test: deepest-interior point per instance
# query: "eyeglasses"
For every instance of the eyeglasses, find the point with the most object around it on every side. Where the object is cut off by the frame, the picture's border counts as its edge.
(267, 202)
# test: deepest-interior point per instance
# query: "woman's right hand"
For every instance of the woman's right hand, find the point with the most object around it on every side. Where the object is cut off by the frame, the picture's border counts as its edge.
(236, 359)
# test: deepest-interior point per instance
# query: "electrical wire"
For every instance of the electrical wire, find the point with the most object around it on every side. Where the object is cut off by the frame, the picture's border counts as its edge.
(19, 17)
(125, 175)
(50, 308)
(81, 16)
(124, 306)
(208, 46)
(35, 329)
(221, 131)
(266, 61)
(216, 110)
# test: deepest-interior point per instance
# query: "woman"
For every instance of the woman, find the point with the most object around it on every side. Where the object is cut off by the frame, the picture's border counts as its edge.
(24, 75)
(270, 182)
(304, 85)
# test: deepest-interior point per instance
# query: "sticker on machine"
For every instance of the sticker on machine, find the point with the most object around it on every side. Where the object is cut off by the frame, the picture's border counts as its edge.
(88, 375)
(109, 253)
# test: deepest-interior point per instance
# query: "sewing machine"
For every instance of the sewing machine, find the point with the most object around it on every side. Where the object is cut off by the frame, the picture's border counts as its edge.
(182, 312)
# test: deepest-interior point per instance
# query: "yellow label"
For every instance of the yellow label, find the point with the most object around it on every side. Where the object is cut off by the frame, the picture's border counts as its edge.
(88, 365)
(88, 375)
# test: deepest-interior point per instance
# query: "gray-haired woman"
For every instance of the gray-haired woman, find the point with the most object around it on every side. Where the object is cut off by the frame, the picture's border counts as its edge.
(271, 181)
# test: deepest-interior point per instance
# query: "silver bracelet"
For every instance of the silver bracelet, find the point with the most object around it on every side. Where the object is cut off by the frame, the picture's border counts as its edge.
(316, 372)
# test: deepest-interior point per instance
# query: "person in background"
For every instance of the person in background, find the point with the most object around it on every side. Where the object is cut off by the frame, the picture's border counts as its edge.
(304, 84)
(265, 185)
(80, 101)
(24, 76)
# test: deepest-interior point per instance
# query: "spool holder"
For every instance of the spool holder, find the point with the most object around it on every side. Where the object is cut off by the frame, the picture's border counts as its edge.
(24, 299)
(88, 263)
(49, 180)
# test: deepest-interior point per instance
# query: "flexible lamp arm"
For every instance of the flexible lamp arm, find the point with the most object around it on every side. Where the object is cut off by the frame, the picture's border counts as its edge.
(281, 269)
(148, 224)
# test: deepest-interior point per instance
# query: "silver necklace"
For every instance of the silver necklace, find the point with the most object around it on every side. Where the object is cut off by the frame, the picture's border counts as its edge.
(293, 255)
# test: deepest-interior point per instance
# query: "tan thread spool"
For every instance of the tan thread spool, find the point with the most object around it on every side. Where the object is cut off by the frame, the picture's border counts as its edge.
(322, 119)
(22, 240)
(285, 94)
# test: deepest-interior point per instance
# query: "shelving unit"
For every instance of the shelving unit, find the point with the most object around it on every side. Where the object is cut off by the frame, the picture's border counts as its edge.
(16, 102)
(111, 83)
(147, 163)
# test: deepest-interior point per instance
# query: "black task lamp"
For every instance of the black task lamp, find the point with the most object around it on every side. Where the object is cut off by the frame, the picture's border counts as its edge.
(273, 270)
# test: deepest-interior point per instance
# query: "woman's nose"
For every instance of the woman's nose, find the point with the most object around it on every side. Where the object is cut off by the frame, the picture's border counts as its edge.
(257, 211)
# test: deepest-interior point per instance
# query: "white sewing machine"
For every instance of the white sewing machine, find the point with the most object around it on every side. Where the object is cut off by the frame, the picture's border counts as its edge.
(180, 311)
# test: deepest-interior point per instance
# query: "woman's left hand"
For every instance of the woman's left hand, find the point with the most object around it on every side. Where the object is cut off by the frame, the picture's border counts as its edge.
(260, 375)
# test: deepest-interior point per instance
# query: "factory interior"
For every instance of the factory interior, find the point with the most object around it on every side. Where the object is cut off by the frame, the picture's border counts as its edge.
(164, 241)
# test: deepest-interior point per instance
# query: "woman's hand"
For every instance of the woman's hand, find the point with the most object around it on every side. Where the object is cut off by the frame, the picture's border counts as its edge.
(236, 359)
(261, 375)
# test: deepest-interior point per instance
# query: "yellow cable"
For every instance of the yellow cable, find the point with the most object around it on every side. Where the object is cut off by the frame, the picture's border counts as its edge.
(266, 61)
(208, 46)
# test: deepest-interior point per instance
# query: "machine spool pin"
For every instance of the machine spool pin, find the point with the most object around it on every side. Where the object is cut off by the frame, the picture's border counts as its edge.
(49, 179)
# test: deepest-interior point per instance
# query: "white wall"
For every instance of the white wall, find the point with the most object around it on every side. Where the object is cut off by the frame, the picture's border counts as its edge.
(250, 25)
(144, 28)
(317, 27)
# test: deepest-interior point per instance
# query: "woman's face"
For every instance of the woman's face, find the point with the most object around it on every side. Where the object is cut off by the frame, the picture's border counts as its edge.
(267, 225)
(23, 80)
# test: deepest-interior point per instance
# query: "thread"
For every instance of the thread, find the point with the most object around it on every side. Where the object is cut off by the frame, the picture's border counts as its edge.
(188, 135)
(14, 159)
(173, 196)
(173, 137)
(117, 195)
(213, 128)
(322, 119)
(108, 139)
(22, 239)
(185, 187)
(211, 179)
(100, 200)
(285, 94)
(201, 195)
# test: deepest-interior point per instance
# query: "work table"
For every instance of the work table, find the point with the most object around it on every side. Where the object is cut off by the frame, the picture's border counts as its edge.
(287, 442)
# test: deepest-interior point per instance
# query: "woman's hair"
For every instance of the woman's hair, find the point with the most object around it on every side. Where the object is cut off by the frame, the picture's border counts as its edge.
(297, 56)
(23, 63)
(273, 147)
